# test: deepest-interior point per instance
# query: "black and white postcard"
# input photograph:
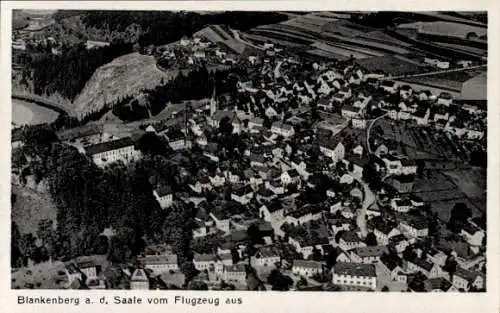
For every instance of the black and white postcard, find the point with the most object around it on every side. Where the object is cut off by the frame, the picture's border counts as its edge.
(180, 158)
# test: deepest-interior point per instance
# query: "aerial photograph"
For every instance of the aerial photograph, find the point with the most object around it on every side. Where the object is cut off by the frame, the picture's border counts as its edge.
(249, 151)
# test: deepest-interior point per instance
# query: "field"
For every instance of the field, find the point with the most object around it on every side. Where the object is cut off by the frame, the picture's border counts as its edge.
(419, 143)
(442, 193)
(472, 182)
(29, 113)
(30, 208)
(339, 50)
(390, 64)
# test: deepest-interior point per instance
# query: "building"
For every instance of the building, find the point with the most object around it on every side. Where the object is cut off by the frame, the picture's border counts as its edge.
(464, 279)
(112, 151)
(164, 196)
(367, 255)
(473, 234)
(282, 129)
(415, 227)
(265, 256)
(428, 269)
(350, 240)
(384, 232)
(333, 149)
(205, 262)
(139, 280)
(88, 268)
(357, 275)
(307, 268)
(235, 273)
(401, 205)
(242, 195)
(159, 263)
(272, 211)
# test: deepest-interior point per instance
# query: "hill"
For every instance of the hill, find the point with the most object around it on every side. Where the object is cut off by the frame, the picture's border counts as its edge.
(124, 76)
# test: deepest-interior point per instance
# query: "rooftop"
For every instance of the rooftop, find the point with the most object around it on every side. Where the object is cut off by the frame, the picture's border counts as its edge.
(109, 146)
(353, 269)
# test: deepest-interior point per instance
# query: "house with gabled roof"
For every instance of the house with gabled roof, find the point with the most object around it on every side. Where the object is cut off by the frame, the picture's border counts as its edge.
(438, 284)
(350, 240)
(367, 254)
(164, 196)
(159, 263)
(391, 266)
(419, 265)
(383, 232)
(415, 227)
(332, 148)
(139, 280)
(464, 279)
(243, 194)
(265, 256)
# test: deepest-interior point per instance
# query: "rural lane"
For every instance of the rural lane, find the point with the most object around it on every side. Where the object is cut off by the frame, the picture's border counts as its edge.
(368, 200)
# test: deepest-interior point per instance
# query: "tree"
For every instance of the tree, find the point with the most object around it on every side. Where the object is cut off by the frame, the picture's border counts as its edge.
(279, 281)
(409, 254)
(189, 271)
(302, 282)
(385, 288)
(197, 285)
(371, 239)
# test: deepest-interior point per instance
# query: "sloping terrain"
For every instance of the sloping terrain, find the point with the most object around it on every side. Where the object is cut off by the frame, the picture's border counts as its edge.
(31, 207)
(124, 76)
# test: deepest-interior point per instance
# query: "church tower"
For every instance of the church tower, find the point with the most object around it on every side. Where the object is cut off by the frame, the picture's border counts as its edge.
(213, 103)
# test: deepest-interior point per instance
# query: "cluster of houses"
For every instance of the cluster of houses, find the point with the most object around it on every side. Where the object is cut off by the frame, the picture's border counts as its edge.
(283, 165)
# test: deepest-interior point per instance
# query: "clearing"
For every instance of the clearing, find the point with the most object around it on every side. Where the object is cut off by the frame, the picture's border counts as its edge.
(30, 208)
(125, 75)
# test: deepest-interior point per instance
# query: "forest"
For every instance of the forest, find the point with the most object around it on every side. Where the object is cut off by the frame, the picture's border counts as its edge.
(197, 84)
(68, 72)
(89, 199)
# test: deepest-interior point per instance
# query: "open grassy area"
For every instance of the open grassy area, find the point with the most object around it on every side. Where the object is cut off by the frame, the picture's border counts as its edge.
(29, 113)
(30, 208)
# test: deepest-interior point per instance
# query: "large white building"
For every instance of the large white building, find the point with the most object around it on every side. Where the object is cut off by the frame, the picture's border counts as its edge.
(159, 263)
(355, 275)
(112, 151)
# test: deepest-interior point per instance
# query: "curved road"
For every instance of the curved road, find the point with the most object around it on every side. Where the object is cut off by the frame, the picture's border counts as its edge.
(370, 128)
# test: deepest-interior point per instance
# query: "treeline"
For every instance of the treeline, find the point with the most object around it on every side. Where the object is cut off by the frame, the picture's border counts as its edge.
(89, 199)
(68, 72)
(163, 27)
(197, 84)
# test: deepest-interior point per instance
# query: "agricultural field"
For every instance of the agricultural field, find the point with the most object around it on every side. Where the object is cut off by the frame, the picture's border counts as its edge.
(438, 189)
(381, 37)
(419, 143)
(390, 64)
(338, 50)
(328, 54)
(214, 33)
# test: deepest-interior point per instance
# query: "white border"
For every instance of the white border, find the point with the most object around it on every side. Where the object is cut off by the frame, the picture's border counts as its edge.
(268, 301)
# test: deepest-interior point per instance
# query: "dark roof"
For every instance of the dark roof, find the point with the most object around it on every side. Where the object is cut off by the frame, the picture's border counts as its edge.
(163, 191)
(110, 145)
(293, 173)
(391, 262)
(350, 236)
(204, 257)
(422, 264)
(438, 283)
(330, 143)
(243, 191)
(418, 223)
(370, 251)
(308, 264)
(361, 161)
(387, 83)
(352, 269)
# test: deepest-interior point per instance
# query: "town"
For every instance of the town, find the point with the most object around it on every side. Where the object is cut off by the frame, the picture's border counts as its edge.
(296, 173)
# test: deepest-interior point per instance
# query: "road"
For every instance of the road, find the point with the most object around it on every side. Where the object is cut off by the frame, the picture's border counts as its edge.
(370, 128)
(435, 72)
(237, 37)
(368, 199)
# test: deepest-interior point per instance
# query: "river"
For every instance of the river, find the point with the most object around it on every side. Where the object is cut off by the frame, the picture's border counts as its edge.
(30, 113)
